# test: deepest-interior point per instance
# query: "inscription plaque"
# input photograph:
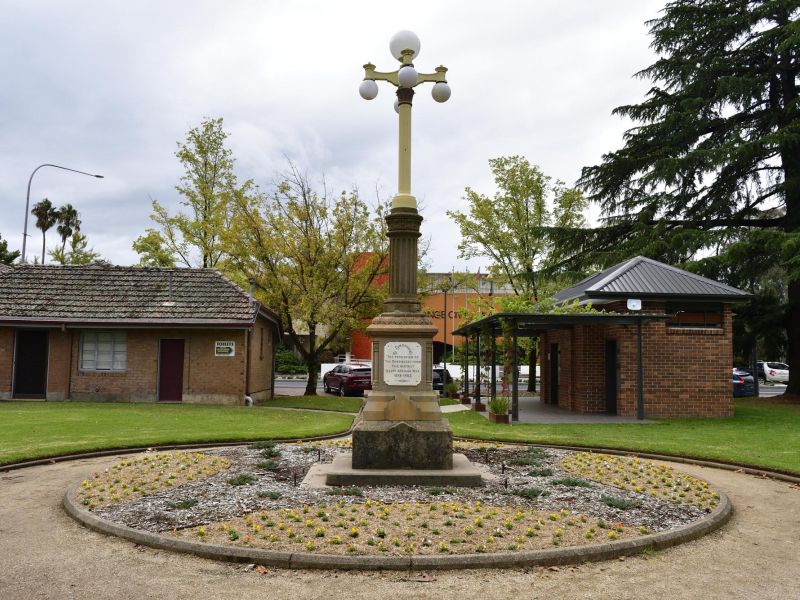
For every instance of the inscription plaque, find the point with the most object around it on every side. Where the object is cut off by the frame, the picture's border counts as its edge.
(402, 363)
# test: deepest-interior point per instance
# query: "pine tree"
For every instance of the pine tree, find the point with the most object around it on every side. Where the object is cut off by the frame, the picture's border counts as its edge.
(715, 151)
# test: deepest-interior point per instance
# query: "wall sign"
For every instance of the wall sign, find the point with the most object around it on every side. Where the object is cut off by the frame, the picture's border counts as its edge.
(224, 348)
(402, 363)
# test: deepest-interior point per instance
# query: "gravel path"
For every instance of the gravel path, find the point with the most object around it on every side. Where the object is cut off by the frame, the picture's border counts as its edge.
(45, 554)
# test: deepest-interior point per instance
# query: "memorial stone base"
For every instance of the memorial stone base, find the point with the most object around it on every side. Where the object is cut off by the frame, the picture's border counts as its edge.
(402, 445)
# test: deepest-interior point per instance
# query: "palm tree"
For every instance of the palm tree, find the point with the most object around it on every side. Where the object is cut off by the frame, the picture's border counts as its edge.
(46, 216)
(68, 223)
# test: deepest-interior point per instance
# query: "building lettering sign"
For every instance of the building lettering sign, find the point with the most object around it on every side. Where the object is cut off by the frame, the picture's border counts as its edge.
(439, 314)
(402, 363)
(224, 348)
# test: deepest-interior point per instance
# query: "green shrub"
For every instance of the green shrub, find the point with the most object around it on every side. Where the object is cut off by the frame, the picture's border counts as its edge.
(571, 482)
(263, 445)
(352, 491)
(620, 503)
(438, 491)
(532, 457)
(287, 363)
(272, 495)
(499, 405)
(241, 479)
(183, 504)
(531, 492)
(271, 452)
(268, 465)
(543, 472)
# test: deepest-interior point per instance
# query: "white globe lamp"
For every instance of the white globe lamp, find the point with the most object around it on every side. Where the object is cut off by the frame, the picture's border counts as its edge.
(407, 77)
(440, 92)
(404, 40)
(368, 89)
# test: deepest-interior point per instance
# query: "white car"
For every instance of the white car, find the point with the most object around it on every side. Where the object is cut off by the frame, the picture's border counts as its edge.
(773, 371)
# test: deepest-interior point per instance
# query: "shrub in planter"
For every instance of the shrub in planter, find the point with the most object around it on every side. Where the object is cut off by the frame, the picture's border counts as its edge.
(498, 409)
(451, 389)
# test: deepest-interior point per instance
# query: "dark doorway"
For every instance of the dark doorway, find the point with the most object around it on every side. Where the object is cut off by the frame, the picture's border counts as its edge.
(30, 363)
(170, 371)
(555, 369)
(611, 377)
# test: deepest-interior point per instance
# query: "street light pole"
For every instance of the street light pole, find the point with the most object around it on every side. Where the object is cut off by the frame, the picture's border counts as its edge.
(28, 199)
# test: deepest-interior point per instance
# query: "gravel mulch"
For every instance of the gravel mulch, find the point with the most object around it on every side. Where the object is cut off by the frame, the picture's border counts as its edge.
(266, 485)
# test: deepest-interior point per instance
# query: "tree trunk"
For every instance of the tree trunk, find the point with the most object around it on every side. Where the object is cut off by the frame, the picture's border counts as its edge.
(793, 334)
(312, 361)
(43, 246)
(313, 375)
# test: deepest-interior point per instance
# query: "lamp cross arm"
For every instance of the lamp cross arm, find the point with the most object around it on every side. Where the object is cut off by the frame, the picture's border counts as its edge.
(371, 73)
(436, 77)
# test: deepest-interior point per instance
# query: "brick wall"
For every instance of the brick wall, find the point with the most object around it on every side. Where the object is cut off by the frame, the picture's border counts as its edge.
(260, 360)
(686, 371)
(207, 379)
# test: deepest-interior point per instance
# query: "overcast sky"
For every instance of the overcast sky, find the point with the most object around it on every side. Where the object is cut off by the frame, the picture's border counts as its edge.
(110, 87)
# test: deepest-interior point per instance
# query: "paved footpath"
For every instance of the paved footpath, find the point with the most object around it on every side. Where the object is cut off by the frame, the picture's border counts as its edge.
(45, 554)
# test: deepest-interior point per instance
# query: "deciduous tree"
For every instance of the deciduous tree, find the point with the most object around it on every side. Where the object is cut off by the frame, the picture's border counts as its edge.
(314, 258)
(78, 252)
(208, 189)
(515, 228)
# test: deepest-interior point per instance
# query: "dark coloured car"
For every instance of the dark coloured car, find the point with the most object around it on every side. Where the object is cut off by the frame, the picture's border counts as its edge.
(441, 377)
(348, 379)
(743, 383)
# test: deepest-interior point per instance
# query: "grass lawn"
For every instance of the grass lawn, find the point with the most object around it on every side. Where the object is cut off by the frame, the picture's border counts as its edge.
(762, 434)
(335, 403)
(42, 429)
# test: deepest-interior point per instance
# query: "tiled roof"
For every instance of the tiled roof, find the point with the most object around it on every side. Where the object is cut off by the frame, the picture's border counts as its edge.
(133, 295)
(646, 277)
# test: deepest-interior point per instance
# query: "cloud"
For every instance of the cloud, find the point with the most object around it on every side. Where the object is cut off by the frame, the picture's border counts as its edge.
(111, 87)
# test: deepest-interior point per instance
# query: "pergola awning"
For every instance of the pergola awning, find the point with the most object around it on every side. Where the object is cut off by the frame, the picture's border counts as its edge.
(533, 325)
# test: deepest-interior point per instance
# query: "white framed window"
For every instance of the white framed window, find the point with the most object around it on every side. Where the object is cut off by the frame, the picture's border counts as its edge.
(104, 351)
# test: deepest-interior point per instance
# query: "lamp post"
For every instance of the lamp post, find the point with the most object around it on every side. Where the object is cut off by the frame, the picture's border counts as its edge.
(402, 425)
(28, 199)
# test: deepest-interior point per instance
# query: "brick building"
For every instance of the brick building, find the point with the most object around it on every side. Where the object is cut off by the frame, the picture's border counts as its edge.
(132, 334)
(680, 339)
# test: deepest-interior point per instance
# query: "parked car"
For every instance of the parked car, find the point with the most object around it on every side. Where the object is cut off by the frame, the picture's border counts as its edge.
(773, 371)
(441, 377)
(743, 383)
(348, 379)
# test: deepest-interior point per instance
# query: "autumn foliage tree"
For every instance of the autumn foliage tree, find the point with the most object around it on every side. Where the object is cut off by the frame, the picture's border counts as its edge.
(314, 258)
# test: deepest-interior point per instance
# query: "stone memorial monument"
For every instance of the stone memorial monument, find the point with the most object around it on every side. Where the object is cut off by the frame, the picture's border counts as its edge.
(402, 437)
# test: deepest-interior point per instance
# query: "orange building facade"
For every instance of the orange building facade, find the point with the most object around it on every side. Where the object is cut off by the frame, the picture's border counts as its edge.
(443, 309)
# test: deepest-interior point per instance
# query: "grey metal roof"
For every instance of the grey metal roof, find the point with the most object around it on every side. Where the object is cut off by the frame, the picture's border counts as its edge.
(648, 278)
(106, 294)
(530, 324)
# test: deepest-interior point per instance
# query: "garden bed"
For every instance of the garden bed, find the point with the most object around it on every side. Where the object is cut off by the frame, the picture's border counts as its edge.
(535, 499)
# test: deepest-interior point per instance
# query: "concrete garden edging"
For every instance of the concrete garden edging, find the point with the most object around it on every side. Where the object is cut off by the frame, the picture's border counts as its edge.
(306, 560)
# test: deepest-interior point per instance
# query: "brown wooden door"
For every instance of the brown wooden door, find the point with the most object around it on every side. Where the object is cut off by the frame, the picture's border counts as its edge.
(30, 363)
(170, 371)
